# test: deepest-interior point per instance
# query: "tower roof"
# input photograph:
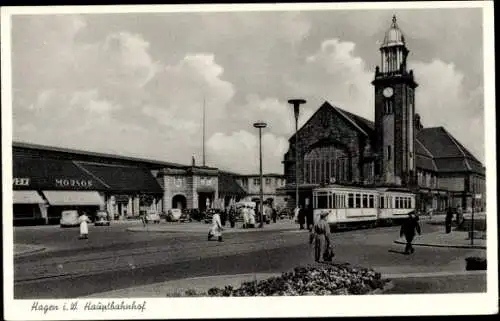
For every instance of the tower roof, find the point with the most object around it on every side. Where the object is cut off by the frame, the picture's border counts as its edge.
(394, 36)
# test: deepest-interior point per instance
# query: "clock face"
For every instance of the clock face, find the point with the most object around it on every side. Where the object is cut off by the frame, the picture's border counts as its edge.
(388, 92)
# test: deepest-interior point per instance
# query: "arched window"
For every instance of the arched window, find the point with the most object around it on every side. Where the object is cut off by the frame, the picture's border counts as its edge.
(324, 163)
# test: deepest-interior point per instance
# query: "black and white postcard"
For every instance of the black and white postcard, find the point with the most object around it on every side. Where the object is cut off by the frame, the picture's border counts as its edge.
(249, 160)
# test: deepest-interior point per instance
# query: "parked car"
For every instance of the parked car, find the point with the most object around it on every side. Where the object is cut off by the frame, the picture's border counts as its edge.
(174, 215)
(102, 219)
(185, 217)
(152, 218)
(69, 218)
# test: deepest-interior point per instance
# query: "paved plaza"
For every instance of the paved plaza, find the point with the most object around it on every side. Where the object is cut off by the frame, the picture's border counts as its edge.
(127, 259)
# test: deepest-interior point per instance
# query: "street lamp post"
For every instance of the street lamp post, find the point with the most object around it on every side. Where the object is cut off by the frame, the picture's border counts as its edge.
(296, 105)
(261, 125)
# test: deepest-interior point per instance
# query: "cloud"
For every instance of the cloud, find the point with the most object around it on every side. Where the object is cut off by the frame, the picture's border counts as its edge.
(336, 74)
(240, 150)
(442, 100)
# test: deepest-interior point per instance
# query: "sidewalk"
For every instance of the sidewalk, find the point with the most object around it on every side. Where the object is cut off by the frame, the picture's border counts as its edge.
(178, 288)
(197, 227)
(26, 249)
(455, 239)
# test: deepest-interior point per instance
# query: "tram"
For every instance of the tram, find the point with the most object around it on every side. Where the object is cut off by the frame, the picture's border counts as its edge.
(358, 206)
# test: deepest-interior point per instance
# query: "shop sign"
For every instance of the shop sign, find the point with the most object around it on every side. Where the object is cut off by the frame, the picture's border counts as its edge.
(61, 182)
(17, 181)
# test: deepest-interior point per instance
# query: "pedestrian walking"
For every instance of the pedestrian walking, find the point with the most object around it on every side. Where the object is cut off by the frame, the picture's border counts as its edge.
(274, 214)
(408, 229)
(296, 212)
(216, 228)
(448, 219)
(309, 218)
(460, 215)
(232, 217)
(84, 229)
(320, 237)
(302, 218)
(143, 219)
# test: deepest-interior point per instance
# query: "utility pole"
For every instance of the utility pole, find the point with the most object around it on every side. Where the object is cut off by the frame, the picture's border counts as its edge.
(261, 125)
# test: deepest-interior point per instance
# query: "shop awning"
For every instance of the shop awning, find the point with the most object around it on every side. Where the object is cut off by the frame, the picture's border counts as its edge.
(27, 197)
(52, 174)
(75, 198)
(124, 179)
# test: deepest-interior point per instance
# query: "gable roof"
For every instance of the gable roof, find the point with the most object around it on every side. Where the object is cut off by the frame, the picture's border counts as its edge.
(448, 154)
(361, 124)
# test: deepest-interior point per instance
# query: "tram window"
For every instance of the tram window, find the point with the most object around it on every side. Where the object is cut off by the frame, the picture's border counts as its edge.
(370, 203)
(365, 201)
(332, 201)
(351, 200)
(406, 203)
(382, 199)
(358, 200)
(397, 202)
(322, 202)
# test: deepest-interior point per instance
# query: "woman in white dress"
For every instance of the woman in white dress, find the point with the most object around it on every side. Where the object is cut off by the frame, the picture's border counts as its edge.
(84, 229)
(216, 228)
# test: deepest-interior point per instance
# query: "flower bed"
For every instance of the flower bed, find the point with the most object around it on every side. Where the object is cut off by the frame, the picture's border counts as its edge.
(340, 279)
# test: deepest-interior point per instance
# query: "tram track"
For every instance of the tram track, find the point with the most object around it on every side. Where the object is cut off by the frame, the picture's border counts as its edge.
(139, 258)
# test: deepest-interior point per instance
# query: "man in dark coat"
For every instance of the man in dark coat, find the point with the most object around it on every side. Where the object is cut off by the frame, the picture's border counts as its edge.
(448, 219)
(302, 217)
(408, 229)
(309, 218)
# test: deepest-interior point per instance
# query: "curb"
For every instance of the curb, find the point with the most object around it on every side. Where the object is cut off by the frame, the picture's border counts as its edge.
(481, 247)
(388, 286)
(29, 252)
(423, 275)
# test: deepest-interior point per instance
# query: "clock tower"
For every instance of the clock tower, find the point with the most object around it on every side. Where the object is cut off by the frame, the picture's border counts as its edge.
(394, 112)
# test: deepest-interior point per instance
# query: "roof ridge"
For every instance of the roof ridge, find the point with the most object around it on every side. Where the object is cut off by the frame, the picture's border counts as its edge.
(342, 112)
(458, 146)
(422, 144)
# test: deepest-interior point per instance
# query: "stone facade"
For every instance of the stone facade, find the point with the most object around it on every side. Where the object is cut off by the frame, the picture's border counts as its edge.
(272, 183)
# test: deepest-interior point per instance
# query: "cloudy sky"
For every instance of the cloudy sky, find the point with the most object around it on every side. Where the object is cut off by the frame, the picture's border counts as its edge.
(134, 84)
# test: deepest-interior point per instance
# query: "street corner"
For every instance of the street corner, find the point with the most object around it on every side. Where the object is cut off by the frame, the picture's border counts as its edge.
(27, 249)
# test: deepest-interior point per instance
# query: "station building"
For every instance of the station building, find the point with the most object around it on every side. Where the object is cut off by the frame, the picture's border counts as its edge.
(395, 150)
(47, 180)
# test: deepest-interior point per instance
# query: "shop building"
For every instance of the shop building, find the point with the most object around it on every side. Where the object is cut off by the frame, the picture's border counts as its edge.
(271, 188)
(48, 180)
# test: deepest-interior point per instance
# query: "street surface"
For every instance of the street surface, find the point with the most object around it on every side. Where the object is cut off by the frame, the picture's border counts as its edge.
(114, 258)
